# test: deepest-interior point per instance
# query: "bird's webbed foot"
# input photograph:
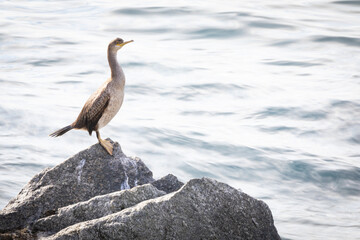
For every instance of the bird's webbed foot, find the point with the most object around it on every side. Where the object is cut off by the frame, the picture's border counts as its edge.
(106, 144)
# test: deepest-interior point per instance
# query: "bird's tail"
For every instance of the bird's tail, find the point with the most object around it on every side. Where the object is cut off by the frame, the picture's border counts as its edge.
(61, 131)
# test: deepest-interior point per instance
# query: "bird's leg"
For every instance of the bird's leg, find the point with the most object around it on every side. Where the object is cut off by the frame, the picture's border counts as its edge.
(105, 143)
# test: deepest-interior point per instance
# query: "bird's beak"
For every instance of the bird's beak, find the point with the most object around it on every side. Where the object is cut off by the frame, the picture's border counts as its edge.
(124, 43)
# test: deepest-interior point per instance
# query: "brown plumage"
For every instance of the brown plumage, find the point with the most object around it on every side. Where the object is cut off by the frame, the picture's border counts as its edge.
(103, 104)
(90, 114)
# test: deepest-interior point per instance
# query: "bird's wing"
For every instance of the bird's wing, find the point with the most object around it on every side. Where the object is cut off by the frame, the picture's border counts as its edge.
(93, 110)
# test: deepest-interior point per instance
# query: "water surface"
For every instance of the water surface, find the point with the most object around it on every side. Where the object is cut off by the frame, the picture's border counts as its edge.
(261, 95)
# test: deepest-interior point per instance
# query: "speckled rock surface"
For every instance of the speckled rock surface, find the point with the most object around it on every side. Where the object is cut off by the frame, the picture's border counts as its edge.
(201, 209)
(168, 184)
(96, 207)
(93, 195)
(87, 174)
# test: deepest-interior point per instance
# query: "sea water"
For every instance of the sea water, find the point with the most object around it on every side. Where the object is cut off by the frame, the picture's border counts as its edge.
(262, 95)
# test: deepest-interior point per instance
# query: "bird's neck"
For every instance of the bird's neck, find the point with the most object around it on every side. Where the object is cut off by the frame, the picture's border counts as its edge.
(116, 71)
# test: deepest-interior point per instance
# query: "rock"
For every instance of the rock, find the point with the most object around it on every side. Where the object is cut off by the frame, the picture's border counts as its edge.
(89, 173)
(201, 209)
(168, 184)
(23, 234)
(97, 196)
(96, 207)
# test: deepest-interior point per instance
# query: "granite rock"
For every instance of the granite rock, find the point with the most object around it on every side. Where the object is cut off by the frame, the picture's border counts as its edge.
(96, 207)
(168, 184)
(93, 195)
(89, 173)
(201, 209)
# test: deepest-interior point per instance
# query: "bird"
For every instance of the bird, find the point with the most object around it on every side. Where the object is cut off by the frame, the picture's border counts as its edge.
(104, 103)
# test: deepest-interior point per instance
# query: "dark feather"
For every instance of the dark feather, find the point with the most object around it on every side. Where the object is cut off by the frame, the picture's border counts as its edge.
(94, 117)
(92, 112)
(61, 131)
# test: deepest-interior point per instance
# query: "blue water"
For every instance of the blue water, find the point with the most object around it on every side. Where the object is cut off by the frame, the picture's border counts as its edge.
(262, 95)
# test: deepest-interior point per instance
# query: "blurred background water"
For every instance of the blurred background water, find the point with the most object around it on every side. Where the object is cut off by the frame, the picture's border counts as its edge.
(262, 95)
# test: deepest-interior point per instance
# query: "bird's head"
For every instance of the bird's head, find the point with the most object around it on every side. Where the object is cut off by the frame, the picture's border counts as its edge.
(118, 43)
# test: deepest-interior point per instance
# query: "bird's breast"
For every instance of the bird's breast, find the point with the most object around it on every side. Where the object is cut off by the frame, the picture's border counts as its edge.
(115, 102)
